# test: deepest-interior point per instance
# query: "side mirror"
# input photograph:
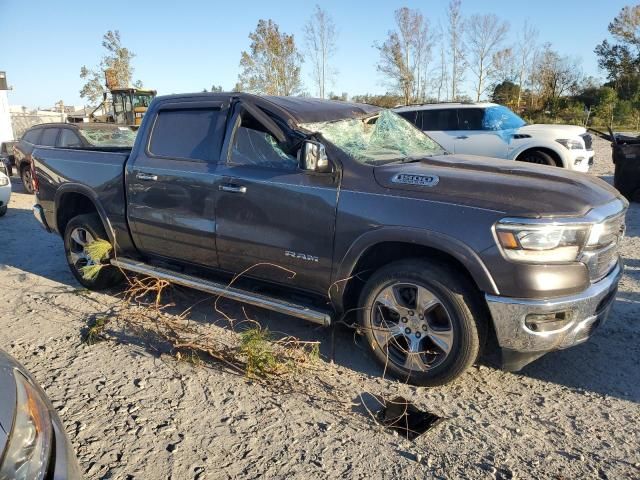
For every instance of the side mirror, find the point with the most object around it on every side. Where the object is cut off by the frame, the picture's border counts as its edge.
(313, 157)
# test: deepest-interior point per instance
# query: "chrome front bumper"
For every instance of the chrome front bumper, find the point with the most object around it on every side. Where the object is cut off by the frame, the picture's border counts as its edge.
(585, 311)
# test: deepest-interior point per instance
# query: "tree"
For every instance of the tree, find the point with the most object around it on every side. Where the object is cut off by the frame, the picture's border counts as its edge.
(622, 60)
(485, 34)
(456, 46)
(505, 93)
(556, 76)
(272, 65)
(117, 60)
(320, 39)
(527, 52)
(405, 54)
(607, 105)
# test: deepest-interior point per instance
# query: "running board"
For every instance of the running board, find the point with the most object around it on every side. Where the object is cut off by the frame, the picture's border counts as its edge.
(263, 301)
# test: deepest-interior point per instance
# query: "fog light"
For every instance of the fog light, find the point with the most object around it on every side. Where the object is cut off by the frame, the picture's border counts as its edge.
(546, 322)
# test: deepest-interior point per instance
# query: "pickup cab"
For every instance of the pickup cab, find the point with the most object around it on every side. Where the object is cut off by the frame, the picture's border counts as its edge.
(342, 211)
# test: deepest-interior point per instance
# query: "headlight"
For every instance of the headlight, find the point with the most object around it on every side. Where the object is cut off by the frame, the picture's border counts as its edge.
(540, 243)
(571, 144)
(30, 442)
(4, 181)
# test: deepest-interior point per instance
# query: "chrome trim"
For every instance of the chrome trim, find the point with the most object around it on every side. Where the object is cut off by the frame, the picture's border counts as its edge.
(595, 215)
(38, 212)
(269, 303)
(584, 308)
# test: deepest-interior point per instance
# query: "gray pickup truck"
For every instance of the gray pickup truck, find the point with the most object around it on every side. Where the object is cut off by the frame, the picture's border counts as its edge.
(337, 210)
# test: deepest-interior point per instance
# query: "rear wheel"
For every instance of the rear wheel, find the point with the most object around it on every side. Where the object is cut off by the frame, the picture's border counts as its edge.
(539, 157)
(3, 210)
(27, 179)
(422, 321)
(81, 231)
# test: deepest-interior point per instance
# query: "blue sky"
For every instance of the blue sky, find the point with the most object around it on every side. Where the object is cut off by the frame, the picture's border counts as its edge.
(186, 45)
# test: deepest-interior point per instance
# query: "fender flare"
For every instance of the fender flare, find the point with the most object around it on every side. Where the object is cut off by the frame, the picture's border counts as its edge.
(91, 195)
(438, 241)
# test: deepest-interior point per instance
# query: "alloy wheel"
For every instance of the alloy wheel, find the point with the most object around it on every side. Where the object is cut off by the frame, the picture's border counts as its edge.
(411, 324)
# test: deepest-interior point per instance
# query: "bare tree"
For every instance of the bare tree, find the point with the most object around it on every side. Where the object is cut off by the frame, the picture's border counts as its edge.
(527, 48)
(320, 39)
(441, 80)
(556, 76)
(272, 66)
(484, 34)
(405, 54)
(456, 25)
(117, 61)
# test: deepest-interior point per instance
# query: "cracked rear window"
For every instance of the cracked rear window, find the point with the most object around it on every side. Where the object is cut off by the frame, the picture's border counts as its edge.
(381, 138)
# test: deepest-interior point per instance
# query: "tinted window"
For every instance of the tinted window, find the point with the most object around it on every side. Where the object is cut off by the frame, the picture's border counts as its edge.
(68, 138)
(31, 136)
(439, 120)
(501, 118)
(470, 118)
(411, 116)
(192, 134)
(49, 137)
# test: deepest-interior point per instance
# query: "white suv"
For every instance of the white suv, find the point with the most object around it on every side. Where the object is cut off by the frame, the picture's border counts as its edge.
(492, 130)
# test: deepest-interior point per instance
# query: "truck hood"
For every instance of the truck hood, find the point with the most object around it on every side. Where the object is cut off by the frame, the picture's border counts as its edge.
(514, 188)
(564, 131)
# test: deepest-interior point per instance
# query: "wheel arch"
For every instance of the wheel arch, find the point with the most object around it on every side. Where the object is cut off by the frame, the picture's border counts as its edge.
(76, 199)
(551, 151)
(382, 246)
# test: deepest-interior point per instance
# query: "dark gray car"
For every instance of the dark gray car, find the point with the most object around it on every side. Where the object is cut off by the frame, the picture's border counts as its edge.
(430, 253)
(33, 445)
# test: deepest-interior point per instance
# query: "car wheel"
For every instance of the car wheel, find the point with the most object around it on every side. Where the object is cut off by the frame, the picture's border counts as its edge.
(422, 321)
(81, 231)
(3, 210)
(27, 179)
(539, 157)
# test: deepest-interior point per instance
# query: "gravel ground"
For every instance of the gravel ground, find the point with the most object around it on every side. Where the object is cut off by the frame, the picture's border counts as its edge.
(133, 411)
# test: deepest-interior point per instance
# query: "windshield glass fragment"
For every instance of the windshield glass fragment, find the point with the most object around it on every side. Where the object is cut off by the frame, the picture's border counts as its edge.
(385, 137)
(109, 137)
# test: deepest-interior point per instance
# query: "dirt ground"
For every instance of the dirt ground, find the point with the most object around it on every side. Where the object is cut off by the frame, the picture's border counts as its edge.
(134, 411)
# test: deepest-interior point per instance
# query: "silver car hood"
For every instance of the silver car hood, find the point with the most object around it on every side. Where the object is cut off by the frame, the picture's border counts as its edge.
(7, 397)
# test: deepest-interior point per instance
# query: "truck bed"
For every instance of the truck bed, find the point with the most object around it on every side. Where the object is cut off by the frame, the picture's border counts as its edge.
(98, 172)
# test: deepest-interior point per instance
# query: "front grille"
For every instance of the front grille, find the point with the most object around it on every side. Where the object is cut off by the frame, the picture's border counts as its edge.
(588, 141)
(600, 259)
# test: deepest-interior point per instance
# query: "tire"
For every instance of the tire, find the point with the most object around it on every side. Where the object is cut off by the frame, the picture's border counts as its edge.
(538, 157)
(79, 231)
(27, 180)
(3, 210)
(453, 318)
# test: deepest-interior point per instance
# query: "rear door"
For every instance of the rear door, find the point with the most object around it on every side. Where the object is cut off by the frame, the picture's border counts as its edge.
(475, 137)
(172, 183)
(439, 124)
(273, 218)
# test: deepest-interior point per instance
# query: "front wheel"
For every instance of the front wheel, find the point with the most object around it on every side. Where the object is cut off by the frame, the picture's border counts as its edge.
(422, 321)
(3, 210)
(80, 232)
(539, 157)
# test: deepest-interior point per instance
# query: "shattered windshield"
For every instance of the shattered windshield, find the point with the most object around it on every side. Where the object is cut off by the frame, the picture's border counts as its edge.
(384, 137)
(109, 137)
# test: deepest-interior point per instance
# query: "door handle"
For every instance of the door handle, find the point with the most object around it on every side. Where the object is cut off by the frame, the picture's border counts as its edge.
(146, 176)
(230, 187)
(462, 137)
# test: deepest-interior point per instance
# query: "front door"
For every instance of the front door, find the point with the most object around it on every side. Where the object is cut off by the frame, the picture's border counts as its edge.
(272, 218)
(473, 137)
(172, 184)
